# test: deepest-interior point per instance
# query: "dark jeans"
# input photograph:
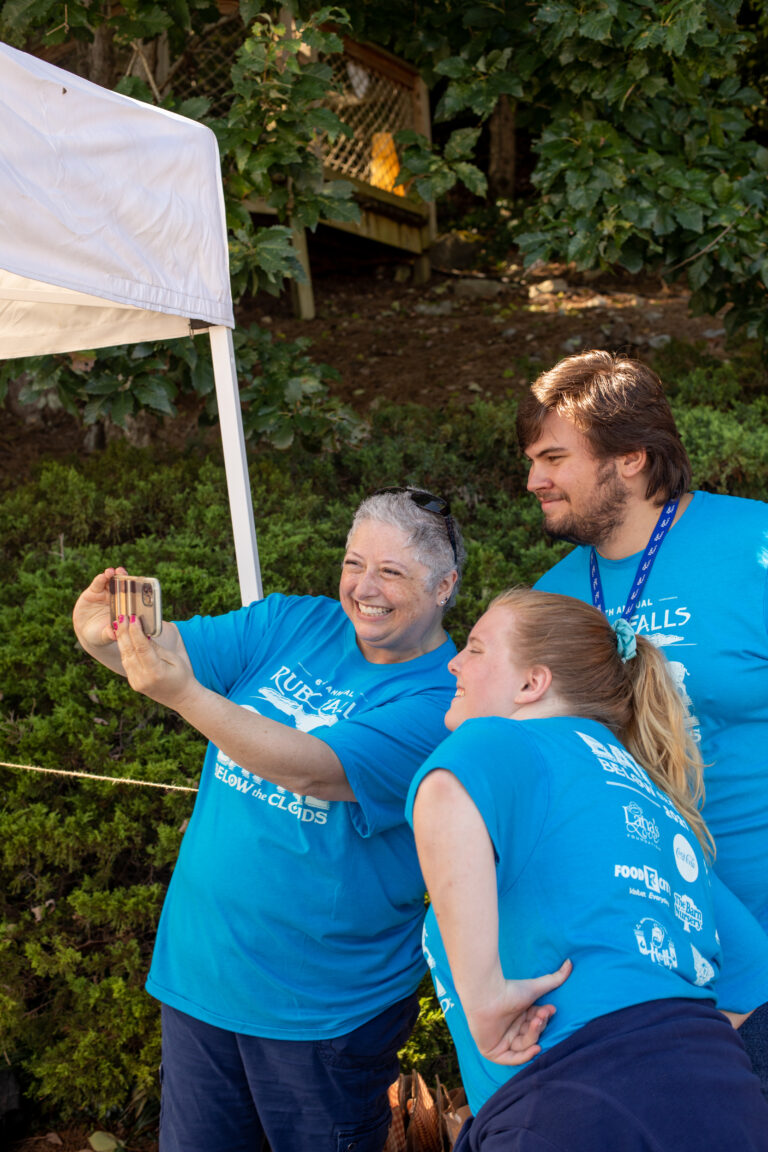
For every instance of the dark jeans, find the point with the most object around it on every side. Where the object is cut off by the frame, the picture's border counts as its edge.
(754, 1037)
(665, 1076)
(227, 1092)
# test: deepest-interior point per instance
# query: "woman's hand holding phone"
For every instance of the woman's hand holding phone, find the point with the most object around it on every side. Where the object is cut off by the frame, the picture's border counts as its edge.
(160, 670)
(91, 616)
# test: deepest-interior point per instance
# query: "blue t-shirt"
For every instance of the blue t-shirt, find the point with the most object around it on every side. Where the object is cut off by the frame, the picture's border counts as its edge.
(706, 606)
(290, 917)
(593, 863)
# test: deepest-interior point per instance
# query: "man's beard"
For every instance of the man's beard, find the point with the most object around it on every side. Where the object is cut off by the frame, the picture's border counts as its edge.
(602, 519)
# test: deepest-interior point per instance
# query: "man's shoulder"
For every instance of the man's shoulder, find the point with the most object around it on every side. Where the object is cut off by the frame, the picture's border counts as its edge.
(560, 576)
(730, 510)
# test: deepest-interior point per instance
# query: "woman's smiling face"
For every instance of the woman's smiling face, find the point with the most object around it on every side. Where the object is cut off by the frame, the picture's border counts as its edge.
(488, 679)
(385, 592)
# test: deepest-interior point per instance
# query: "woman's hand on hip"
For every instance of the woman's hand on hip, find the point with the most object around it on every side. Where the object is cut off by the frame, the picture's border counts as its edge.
(507, 1028)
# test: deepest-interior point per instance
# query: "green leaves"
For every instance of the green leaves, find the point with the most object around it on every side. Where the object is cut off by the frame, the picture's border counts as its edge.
(261, 258)
(271, 142)
(476, 83)
(286, 395)
(433, 174)
(461, 143)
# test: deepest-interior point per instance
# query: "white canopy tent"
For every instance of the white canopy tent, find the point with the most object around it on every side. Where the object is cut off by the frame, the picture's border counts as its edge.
(112, 231)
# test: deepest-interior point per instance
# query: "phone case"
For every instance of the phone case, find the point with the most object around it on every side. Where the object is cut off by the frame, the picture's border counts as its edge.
(137, 596)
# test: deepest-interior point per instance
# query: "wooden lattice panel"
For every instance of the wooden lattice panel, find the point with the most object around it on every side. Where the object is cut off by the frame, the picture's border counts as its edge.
(207, 65)
(375, 106)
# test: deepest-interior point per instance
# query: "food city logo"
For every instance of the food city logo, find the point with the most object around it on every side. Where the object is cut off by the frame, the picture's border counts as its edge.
(640, 827)
(656, 887)
(654, 941)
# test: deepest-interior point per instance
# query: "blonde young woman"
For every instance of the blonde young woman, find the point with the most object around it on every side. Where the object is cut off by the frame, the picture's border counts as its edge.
(561, 819)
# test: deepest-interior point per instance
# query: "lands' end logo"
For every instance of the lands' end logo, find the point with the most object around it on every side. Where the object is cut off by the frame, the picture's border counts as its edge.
(685, 858)
(639, 827)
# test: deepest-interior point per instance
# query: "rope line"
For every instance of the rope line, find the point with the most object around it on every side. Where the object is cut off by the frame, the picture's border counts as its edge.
(92, 776)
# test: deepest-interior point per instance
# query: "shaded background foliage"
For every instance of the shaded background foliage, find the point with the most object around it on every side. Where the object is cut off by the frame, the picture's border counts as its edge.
(615, 133)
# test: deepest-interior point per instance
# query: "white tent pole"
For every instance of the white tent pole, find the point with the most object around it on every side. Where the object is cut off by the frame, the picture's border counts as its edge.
(235, 463)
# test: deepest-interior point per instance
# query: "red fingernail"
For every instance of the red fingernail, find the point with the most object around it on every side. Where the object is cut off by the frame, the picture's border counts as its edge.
(120, 619)
(133, 619)
(114, 625)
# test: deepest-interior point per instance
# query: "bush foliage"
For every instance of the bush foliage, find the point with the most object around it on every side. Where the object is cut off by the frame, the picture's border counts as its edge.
(84, 864)
(646, 124)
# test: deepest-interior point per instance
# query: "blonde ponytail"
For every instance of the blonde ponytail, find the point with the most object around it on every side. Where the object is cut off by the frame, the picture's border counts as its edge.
(634, 696)
(659, 738)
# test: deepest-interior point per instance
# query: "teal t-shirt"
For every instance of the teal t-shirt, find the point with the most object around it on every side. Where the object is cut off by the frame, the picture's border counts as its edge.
(290, 917)
(705, 605)
(593, 863)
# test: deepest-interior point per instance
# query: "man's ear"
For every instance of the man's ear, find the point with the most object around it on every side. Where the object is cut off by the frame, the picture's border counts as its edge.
(631, 464)
(537, 682)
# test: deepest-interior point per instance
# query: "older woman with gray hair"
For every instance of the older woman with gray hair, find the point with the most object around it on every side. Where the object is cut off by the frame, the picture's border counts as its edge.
(289, 947)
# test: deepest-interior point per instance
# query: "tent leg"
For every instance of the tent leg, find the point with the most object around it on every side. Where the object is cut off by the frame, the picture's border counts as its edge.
(235, 463)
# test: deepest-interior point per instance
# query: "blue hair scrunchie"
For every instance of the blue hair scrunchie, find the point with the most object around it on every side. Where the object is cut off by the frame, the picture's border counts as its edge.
(626, 641)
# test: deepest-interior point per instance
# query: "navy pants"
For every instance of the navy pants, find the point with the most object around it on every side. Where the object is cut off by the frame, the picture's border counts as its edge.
(227, 1092)
(666, 1076)
(754, 1036)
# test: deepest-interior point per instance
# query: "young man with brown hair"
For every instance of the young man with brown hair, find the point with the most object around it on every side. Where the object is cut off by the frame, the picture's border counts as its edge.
(689, 570)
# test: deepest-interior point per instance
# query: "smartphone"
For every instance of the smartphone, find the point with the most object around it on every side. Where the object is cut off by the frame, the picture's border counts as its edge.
(137, 596)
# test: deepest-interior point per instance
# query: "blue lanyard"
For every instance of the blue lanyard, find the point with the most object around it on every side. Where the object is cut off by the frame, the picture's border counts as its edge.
(663, 524)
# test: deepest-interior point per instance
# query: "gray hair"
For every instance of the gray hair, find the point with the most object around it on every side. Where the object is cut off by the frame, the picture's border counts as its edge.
(427, 534)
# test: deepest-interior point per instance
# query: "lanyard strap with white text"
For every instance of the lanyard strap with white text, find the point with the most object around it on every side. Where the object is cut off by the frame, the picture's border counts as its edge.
(663, 525)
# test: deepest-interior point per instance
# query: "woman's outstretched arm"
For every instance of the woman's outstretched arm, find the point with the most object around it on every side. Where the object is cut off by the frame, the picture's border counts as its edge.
(160, 668)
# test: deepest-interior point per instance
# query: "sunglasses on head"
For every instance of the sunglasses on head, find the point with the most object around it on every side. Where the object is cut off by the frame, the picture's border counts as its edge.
(430, 503)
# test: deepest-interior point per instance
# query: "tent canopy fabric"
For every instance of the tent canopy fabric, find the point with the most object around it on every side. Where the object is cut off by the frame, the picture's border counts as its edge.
(115, 203)
(112, 231)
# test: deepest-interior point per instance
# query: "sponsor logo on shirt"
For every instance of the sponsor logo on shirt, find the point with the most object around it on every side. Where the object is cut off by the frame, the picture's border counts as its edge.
(624, 768)
(655, 887)
(686, 910)
(704, 970)
(685, 858)
(654, 941)
(640, 827)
